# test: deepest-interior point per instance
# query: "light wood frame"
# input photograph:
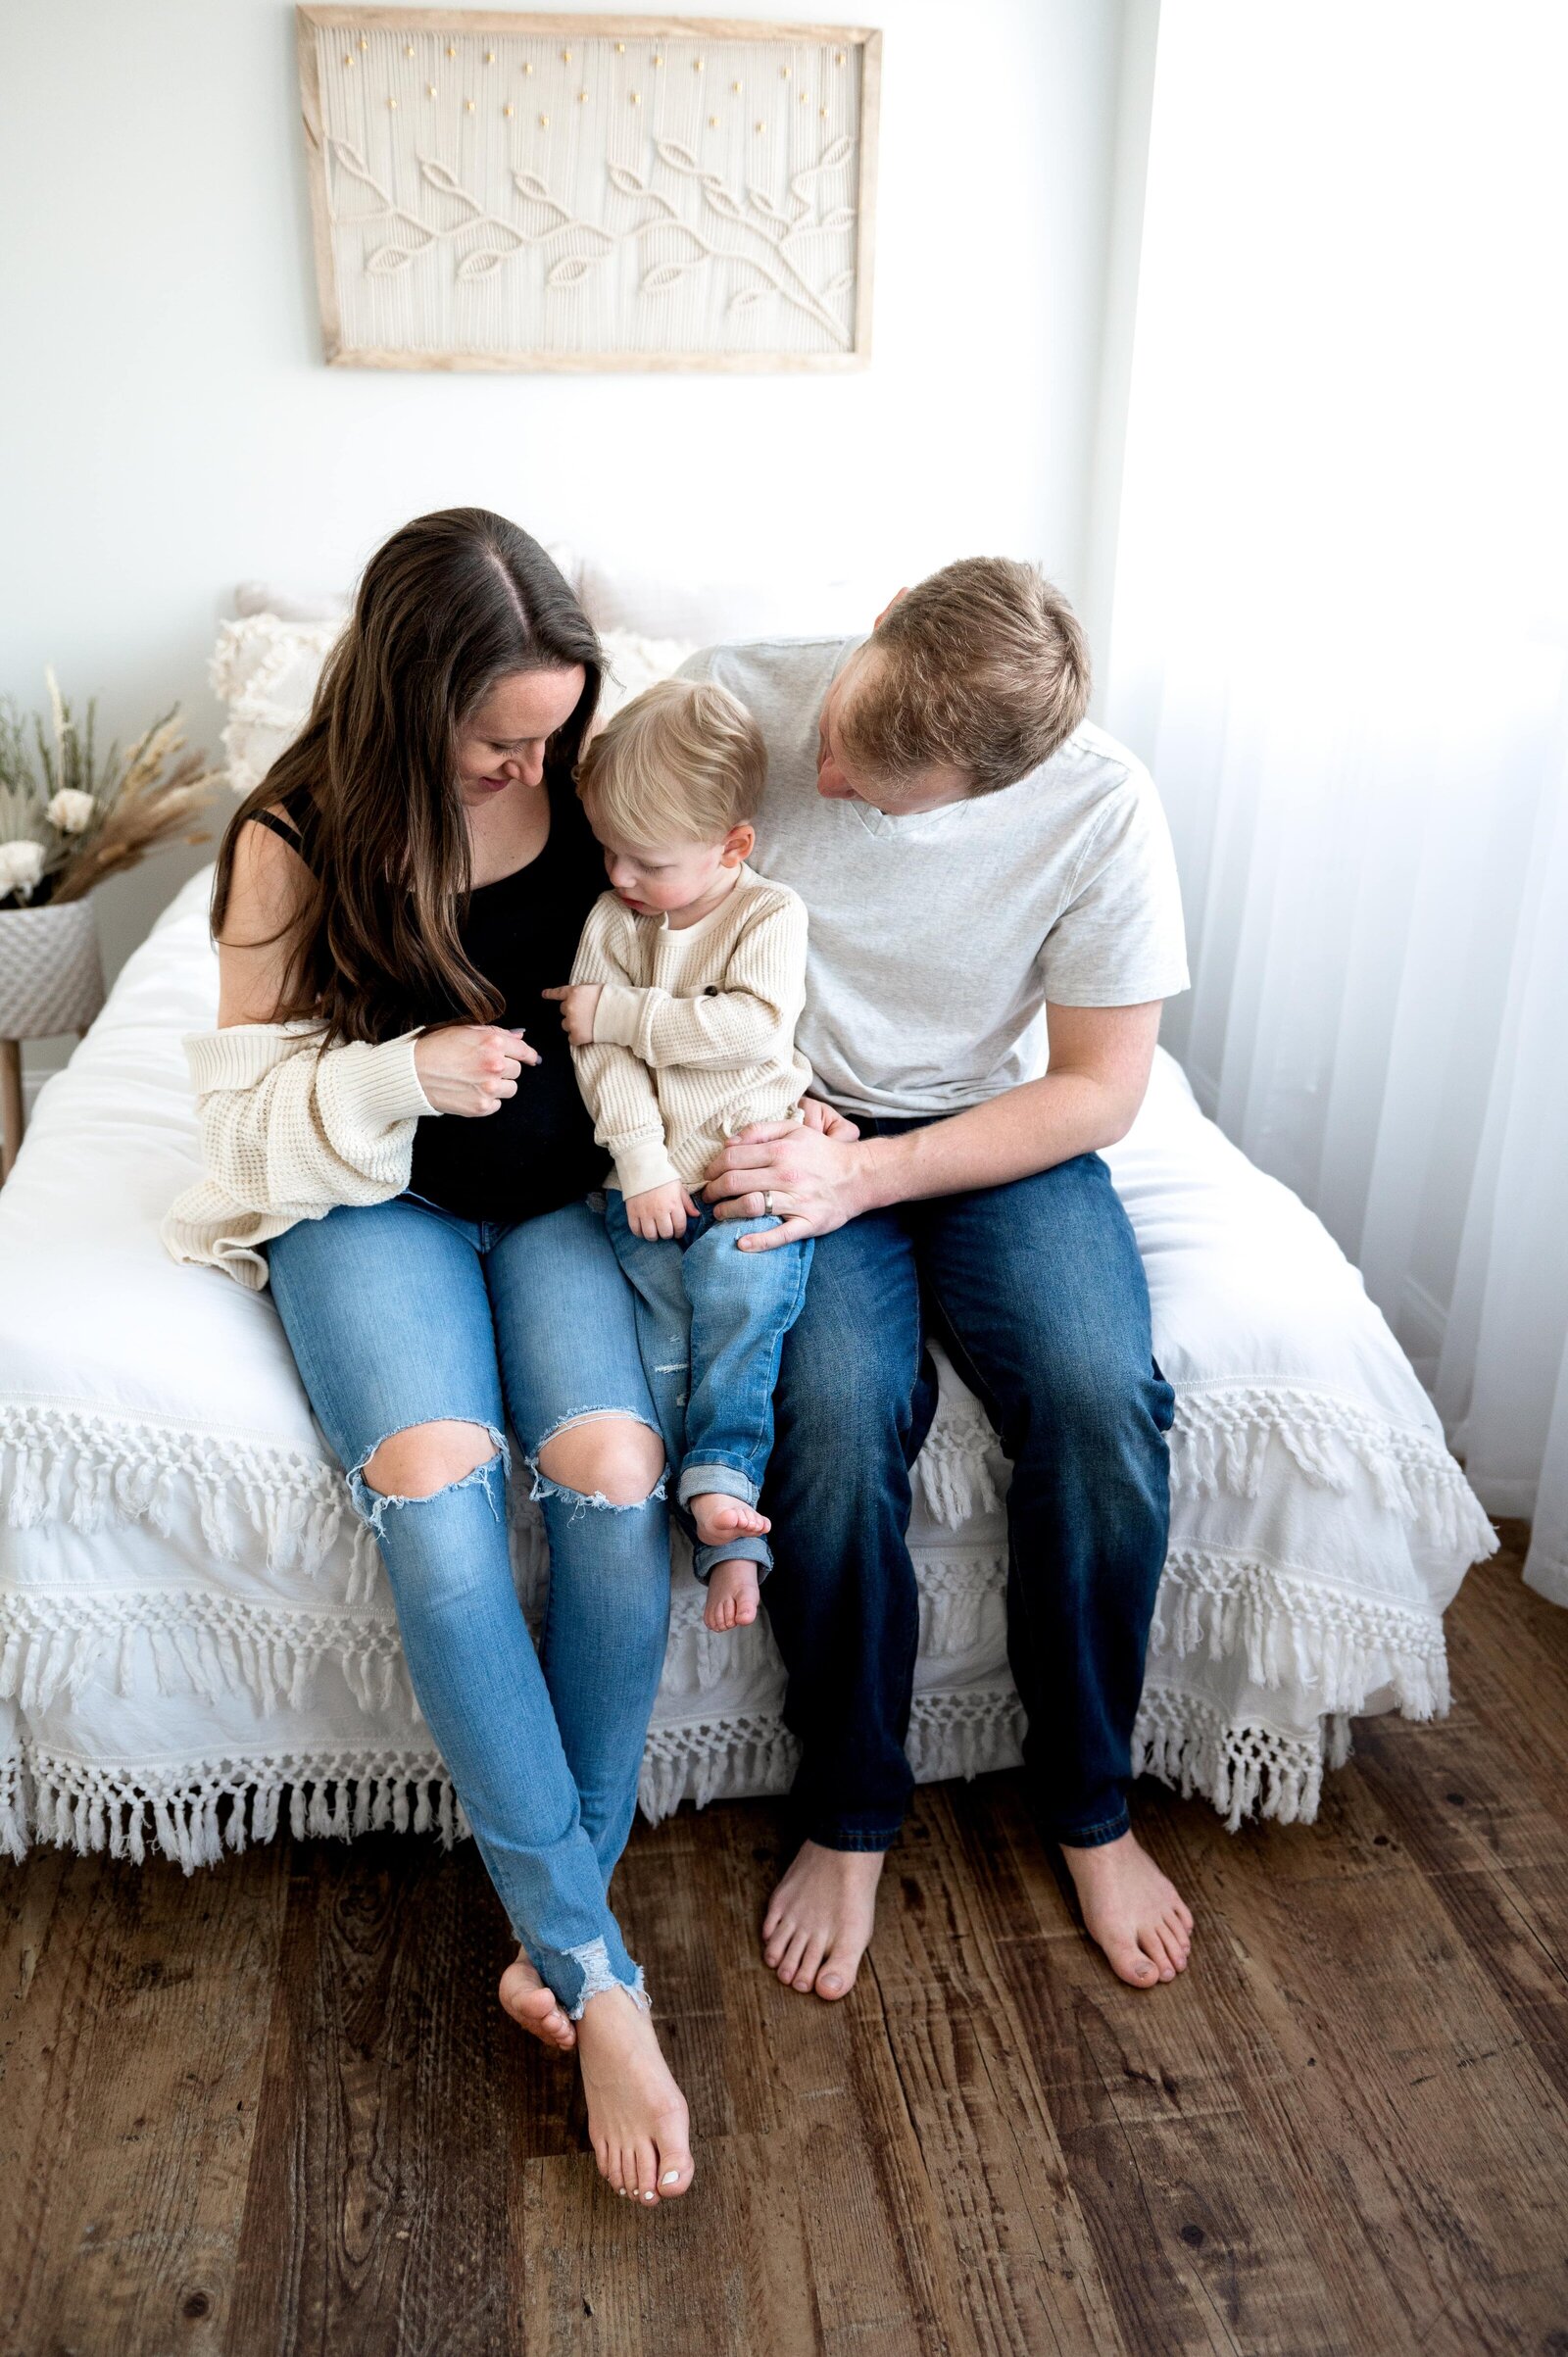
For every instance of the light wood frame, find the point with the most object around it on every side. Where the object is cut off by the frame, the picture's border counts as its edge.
(312, 21)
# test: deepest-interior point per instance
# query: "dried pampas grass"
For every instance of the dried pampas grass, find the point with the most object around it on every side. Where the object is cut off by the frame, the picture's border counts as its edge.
(151, 804)
(90, 821)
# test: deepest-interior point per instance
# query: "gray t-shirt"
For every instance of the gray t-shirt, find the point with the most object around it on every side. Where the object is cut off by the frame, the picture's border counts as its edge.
(937, 939)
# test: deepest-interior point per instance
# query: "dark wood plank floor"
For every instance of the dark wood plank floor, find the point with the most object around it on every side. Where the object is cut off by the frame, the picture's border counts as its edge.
(276, 2110)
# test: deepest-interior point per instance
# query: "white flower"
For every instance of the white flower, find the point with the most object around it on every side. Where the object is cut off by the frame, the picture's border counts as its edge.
(21, 865)
(70, 811)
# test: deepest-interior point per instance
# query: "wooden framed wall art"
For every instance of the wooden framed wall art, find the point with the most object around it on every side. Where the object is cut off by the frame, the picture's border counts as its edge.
(501, 191)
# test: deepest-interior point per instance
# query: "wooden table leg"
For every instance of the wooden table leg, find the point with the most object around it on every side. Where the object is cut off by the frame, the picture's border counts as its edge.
(9, 1103)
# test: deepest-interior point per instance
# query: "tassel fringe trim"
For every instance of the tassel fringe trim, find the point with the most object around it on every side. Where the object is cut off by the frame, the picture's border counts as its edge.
(191, 1815)
(76, 1466)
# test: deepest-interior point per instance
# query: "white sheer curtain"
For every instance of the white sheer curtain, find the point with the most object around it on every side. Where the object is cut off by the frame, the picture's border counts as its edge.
(1341, 641)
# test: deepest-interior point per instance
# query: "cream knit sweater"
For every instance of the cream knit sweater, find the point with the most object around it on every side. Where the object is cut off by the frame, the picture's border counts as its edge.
(693, 1034)
(287, 1134)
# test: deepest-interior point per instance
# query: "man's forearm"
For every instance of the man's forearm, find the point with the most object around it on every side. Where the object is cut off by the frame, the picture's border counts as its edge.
(1027, 1129)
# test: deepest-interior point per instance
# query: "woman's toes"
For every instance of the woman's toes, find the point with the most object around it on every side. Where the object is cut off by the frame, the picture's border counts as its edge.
(646, 2168)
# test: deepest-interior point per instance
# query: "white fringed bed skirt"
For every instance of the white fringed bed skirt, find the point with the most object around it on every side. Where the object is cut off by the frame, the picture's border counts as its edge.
(195, 1633)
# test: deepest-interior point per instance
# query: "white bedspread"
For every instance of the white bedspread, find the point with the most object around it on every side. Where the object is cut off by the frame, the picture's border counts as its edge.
(192, 1627)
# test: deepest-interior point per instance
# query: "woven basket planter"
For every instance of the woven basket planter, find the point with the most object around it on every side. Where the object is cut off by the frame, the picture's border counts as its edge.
(51, 979)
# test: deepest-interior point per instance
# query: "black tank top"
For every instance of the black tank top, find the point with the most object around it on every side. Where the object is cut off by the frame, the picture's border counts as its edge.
(536, 1152)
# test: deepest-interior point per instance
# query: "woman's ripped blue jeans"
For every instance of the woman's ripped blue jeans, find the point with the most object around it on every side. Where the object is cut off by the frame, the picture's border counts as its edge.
(403, 1314)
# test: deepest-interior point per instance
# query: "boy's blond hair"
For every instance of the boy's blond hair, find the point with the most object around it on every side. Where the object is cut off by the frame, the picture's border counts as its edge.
(683, 763)
(983, 667)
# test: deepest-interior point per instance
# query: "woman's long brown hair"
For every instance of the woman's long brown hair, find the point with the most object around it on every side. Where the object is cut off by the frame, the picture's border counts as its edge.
(450, 605)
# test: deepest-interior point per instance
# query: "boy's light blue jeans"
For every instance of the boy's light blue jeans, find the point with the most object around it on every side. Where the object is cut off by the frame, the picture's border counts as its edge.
(711, 1321)
(402, 1314)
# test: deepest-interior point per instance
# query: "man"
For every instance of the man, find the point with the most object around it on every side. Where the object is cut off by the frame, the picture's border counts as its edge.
(984, 874)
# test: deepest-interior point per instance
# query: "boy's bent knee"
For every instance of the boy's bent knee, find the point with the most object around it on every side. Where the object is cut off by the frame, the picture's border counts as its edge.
(610, 1457)
(427, 1457)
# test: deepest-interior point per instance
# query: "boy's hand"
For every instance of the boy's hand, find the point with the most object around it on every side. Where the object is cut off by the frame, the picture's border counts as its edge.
(661, 1211)
(578, 1001)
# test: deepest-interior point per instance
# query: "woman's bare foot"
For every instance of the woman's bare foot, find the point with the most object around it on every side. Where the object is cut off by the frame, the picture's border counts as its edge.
(637, 2119)
(1132, 1911)
(733, 1594)
(819, 1920)
(718, 1518)
(534, 2007)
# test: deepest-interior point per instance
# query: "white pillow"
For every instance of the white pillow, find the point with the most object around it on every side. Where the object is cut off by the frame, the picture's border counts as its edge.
(264, 669)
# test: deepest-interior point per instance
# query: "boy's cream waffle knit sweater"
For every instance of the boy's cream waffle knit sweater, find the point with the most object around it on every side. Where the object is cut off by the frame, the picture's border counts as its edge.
(693, 1034)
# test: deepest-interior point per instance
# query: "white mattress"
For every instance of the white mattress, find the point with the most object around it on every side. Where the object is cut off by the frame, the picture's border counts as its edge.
(193, 1631)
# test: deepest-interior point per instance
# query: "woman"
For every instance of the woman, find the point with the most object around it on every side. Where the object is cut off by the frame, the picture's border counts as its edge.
(389, 905)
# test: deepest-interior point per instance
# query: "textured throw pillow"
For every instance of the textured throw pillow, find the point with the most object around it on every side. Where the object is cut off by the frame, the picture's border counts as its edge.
(264, 669)
(266, 666)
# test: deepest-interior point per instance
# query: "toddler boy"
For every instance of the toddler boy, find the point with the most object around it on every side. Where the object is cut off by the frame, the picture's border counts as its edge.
(681, 1011)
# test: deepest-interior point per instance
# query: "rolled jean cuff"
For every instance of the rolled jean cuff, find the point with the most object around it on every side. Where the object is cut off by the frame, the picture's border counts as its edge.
(1090, 1837)
(714, 1480)
(747, 1546)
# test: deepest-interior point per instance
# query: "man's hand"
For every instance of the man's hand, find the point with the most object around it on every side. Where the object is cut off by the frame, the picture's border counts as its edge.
(812, 1175)
(661, 1211)
(578, 1000)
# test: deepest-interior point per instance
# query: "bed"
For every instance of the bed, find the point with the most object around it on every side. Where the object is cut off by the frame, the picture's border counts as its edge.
(197, 1641)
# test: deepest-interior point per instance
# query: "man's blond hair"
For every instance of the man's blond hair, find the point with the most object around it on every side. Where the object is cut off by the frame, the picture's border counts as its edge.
(682, 762)
(983, 667)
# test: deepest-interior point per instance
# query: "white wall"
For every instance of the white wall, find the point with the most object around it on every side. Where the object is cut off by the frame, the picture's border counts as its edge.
(171, 427)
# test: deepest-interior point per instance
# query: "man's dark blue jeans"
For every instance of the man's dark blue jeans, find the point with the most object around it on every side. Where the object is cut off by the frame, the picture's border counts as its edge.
(1037, 1293)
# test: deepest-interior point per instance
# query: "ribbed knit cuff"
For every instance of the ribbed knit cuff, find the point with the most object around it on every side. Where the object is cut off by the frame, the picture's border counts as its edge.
(380, 1086)
(643, 1163)
(618, 1017)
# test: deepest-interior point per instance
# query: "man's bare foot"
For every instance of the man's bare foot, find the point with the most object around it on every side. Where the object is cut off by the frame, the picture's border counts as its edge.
(819, 1920)
(719, 1517)
(1132, 1911)
(637, 2119)
(733, 1594)
(534, 2007)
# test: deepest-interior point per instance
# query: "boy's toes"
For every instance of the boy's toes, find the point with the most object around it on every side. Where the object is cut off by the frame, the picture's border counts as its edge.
(745, 1612)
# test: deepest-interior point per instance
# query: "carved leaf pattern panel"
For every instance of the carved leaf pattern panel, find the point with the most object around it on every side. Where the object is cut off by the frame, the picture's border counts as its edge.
(547, 196)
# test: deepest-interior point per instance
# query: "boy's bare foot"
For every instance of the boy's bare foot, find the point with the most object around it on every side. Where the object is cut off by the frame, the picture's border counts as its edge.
(1132, 1911)
(637, 2119)
(719, 1517)
(819, 1920)
(535, 2007)
(733, 1594)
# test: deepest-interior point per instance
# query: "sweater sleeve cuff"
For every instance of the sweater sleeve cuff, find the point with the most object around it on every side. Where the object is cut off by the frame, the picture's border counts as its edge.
(617, 1014)
(643, 1162)
(381, 1087)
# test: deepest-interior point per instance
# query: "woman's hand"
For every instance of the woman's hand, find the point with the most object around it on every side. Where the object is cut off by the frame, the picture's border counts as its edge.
(469, 1067)
(577, 1001)
(660, 1211)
